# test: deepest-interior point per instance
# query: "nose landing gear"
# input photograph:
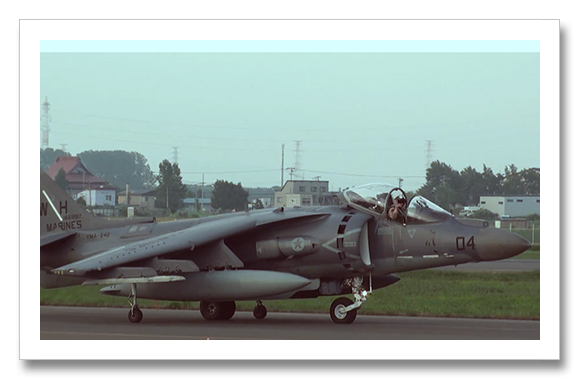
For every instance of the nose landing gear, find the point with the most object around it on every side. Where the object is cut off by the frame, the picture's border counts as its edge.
(344, 310)
(339, 313)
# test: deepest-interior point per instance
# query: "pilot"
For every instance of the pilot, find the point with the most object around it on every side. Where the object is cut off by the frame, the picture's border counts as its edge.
(397, 210)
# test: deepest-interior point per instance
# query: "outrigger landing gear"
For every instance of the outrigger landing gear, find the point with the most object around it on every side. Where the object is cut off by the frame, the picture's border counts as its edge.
(260, 310)
(135, 314)
(344, 310)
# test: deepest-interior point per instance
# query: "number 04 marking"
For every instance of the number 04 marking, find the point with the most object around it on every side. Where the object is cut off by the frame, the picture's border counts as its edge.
(460, 242)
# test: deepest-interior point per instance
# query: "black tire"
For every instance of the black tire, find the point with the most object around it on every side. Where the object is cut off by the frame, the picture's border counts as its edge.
(260, 312)
(135, 315)
(338, 315)
(217, 311)
(228, 309)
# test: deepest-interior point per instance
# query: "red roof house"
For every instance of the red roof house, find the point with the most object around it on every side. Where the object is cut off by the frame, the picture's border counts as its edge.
(78, 176)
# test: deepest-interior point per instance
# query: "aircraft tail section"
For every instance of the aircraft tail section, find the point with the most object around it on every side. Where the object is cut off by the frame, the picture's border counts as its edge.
(60, 215)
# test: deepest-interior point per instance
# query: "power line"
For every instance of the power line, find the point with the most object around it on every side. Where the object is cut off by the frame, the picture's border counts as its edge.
(364, 175)
(233, 172)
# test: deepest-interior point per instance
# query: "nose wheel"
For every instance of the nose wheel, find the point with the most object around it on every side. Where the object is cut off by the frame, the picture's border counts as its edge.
(343, 310)
(339, 312)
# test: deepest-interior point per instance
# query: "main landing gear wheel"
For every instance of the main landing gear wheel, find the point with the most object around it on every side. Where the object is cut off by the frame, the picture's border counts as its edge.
(260, 311)
(135, 315)
(217, 311)
(338, 313)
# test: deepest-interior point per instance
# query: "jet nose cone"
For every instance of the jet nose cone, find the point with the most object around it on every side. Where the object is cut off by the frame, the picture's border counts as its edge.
(495, 244)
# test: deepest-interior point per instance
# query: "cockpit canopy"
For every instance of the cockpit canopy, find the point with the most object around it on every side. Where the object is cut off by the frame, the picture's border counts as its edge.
(376, 198)
(371, 198)
(422, 210)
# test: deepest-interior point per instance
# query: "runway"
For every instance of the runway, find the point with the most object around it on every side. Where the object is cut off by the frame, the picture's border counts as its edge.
(82, 323)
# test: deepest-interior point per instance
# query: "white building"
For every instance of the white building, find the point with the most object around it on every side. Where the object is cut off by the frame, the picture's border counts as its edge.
(304, 193)
(512, 205)
(102, 196)
(198, 204)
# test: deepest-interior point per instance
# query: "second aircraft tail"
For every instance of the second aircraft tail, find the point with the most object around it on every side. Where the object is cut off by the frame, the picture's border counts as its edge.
(60, 214)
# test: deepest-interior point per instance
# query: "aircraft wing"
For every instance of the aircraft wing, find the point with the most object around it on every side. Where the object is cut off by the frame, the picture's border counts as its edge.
(189, 238)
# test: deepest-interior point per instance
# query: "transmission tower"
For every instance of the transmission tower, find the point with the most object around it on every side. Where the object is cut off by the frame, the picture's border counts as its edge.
(45, 122)
(429, 154)
(297, 156)
(175, 154)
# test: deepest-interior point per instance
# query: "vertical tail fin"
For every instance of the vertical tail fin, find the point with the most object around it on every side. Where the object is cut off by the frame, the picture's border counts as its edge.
(59, 213)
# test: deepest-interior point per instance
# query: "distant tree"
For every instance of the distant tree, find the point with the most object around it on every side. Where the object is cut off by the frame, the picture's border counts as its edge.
(447, 187)
(258, 205)
(520, 182)
(443, 185)
(483, 214)
(228, 196)
(48, 157)
(119, 168)
(472, 186)
(492, 182)
(60, 179)
(531, 180)
(170, 185)
(512, 183)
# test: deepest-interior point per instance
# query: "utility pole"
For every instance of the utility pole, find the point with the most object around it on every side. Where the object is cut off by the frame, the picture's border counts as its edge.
(282, 169)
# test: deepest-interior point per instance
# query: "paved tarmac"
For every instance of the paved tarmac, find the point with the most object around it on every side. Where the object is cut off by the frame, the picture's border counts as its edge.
(70, 323)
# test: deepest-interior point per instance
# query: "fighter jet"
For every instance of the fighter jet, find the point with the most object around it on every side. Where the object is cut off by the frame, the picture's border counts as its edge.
(282, 253)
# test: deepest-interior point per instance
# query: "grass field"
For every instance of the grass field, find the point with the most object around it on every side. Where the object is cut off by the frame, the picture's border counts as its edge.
(421, 293)
(531, 254)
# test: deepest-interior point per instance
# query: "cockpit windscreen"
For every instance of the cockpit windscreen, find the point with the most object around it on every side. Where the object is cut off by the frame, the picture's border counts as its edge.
(377, 198)
(422, 210)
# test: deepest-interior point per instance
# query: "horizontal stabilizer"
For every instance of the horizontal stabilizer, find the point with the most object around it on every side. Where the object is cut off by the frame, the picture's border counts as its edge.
(135, 280)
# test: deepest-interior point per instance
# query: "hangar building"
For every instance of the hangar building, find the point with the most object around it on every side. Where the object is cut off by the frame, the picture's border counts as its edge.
(512, 205)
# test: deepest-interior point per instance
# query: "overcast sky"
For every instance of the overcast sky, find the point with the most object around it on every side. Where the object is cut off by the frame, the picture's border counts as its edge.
(360, 116)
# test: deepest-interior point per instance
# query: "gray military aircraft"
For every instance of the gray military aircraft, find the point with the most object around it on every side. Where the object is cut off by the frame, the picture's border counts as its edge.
(300, 252)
